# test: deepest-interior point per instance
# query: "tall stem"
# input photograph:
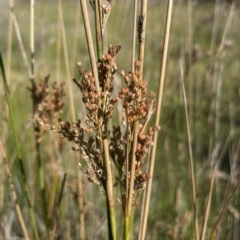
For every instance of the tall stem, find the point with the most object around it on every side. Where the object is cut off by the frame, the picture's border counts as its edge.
(107, 163)
(158, 114)
(99, 37)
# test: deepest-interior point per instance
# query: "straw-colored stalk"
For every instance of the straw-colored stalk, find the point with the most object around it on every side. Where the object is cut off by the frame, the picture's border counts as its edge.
(66, 59)
(19, 38)
(190, 82)
(134, 34)
(142, 42)
(209, 200)
(9, 47)
(146, 200)
(81, 207)
(75, 39)
(191, 156)
(56, 219)
(216, 24)
(109, 182)
(223, 211)
(58, 45)
(32, 47)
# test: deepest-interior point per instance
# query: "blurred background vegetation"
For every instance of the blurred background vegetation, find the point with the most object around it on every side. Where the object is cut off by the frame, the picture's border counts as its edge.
(206, 37)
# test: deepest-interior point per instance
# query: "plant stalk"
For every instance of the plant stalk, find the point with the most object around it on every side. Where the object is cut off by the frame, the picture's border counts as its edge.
(146, 201)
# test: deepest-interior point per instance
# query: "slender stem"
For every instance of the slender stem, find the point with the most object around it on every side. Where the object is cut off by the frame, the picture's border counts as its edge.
(143, 35)
(134, 34)
(209, 200)
(58, 206)
(32, 49)
(141, 58)
(9, 47)
(52, 196)
(158, 114)
(109, 186)
(132, 170)
(226, 30)
(126, 227)
(75, 42)
(19, 38)
(90, 42)
(216, 24)
(191, 158)
(14, 195)
(81, 207)
(109, 189)
(190, 82)
(65, 51)
(223, 210)
(58, 50)
(99, 37)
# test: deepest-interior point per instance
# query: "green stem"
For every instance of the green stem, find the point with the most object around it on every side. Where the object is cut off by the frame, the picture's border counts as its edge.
(99, 36)
(19, 152)
(109, 182)
(109, 188)
(109, 194)
(41, 179)
(126, 228)
(112, 231)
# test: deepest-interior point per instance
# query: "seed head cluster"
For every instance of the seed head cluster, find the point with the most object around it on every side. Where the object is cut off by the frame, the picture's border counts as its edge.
(47, 104)
(135, 106)
(92, 164)
(100, 103)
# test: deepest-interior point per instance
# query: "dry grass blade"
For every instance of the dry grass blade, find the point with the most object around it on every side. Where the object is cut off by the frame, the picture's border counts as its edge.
(142, 36)
(223, 210)
(58, 206)
(134, 34)
(203, 231)
(19, 38)
(226, 29)
(81, 207)
(58, 45)
(146, 200)
(9, 47)
(14, 195)
(89, 42)
(133, 160)
(190, 82)
(65, 50)
(32, 47)
(191, 157)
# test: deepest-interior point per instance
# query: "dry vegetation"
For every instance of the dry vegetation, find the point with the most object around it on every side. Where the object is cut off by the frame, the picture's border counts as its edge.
(107, 124)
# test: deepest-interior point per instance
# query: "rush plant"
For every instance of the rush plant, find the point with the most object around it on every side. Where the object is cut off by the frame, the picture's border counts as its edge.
(112, 157)
(89, 134)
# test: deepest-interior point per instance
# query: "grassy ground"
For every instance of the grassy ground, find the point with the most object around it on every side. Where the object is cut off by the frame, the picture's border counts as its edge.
(211, 75)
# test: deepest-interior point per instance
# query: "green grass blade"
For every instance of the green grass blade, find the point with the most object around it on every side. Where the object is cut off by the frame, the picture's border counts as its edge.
(17, 145)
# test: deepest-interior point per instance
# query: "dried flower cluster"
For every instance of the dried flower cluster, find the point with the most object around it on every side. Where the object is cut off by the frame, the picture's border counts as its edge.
(121, 146)
(135, 108)
(47, 105)
(89, 152)
(100, 105)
